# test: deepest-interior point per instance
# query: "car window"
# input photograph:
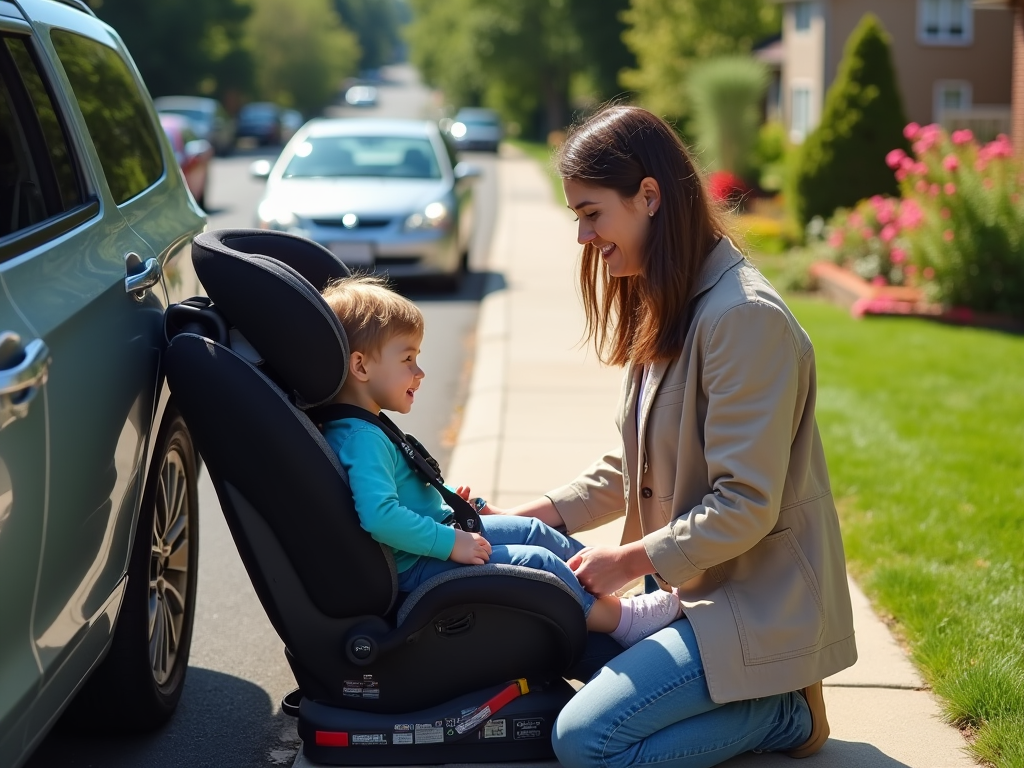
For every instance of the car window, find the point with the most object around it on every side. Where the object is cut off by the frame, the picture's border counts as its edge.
(57, 145)
(115, 113)
(37, 178)
(374, 156)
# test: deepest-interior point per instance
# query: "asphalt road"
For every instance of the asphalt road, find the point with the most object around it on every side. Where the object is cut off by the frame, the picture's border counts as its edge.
(229, 715)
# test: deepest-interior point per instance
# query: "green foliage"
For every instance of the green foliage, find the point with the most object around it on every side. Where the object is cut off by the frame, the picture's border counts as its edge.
(377, 25)
(669, 37)
(843, 159)
(519, 56)
(771, 156)
(924, 428)
(183, 46)
(725, 94)
(304, 52)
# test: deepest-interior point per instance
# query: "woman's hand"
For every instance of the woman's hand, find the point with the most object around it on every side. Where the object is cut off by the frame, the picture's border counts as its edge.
(602, 570)
(470, 549)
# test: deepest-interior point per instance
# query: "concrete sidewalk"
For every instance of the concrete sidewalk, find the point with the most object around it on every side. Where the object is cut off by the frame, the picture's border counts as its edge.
(540, 410)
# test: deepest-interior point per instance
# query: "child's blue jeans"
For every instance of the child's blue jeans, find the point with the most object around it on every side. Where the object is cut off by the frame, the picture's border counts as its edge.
(524, 541)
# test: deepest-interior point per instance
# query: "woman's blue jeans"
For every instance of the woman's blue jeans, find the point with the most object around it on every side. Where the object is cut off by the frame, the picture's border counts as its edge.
(524, 541)
(650, 705)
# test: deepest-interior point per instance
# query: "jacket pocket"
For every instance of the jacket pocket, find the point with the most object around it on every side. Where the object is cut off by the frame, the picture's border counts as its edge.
(775, 600)
(671, 395)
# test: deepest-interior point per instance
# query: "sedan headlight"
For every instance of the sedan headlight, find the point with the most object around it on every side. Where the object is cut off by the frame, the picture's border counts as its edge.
(274, 216)
(434, 216)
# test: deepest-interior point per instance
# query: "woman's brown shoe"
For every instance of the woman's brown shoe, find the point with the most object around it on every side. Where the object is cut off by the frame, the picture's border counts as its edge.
(819, 723)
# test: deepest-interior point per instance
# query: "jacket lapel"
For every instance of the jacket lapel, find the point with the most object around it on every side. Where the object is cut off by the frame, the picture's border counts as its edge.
(654, 380)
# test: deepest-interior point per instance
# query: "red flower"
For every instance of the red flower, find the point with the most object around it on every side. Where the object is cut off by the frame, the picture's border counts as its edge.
(725, 186)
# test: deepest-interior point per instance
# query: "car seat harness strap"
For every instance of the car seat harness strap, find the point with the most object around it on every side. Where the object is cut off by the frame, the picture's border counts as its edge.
(416, 456)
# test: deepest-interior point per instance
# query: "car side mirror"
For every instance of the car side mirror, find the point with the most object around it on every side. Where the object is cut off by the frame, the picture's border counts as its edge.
(260, 169)
(467, 171)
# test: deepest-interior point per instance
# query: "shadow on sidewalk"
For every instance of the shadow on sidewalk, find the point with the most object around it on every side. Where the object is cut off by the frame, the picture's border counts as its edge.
(474, 287)
(835, 754)
(221, 721)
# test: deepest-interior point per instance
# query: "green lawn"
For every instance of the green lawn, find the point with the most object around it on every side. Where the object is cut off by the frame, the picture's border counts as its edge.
(923, 427)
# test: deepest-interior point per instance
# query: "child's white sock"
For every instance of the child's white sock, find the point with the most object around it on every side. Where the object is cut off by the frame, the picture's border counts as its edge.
(645, 614)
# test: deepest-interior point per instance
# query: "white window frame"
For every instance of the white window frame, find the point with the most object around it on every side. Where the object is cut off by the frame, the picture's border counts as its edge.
(945, 9)
(939, 89)
(805, 6)
(797, 135)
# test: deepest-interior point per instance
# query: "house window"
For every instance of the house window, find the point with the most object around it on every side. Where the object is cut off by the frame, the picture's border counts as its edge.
(951, 96)
(944, 22)
(800, 119)
(802, 17)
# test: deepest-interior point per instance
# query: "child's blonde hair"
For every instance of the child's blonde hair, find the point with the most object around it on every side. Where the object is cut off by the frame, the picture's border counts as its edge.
(371, 313)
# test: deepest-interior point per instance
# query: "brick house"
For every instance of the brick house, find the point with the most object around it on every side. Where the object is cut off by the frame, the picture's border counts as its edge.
(953, 58)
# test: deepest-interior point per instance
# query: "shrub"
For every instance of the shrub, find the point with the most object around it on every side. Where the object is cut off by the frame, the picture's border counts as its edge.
(725, 94)
(727, 187)
(770, 156)
(842, 160)
(957, 231)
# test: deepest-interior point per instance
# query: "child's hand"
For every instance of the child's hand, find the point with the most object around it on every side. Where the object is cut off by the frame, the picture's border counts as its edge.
(470, 549)
(480, 505)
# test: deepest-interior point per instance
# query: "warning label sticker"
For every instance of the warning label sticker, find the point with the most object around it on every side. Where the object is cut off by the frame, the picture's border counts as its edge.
(528, 728)
(494, 729)
(369, 739)
(402, 738)
(367, 688)
(429, 734)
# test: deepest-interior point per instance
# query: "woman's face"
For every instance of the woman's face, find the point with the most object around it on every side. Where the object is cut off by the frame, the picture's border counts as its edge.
(616, 226)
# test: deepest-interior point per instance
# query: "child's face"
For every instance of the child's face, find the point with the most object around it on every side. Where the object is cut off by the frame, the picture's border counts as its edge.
(394, 375)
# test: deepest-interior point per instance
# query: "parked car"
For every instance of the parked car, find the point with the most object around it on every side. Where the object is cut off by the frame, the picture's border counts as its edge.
(192, 154)
(260, 121)
(384, 195)
(361, 96)
(98, 472)
(291, 121)
(209, 119)
(476, 128)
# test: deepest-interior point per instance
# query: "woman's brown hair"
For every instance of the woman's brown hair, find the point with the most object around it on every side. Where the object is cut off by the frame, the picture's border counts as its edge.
(642, 318)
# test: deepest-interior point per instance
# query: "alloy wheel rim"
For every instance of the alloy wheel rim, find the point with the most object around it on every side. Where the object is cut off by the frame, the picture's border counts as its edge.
(168, 567)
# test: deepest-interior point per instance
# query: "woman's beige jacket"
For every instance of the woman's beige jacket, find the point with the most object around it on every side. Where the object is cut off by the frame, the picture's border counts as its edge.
(730, 492)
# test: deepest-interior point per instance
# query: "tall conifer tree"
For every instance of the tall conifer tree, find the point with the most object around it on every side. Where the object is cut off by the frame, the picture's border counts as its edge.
(843, 159)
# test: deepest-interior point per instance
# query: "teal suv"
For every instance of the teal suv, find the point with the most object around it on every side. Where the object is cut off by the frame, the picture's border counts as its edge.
(98, 499)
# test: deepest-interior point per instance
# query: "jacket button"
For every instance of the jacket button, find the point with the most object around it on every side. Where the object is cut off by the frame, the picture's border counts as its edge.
(646, 493)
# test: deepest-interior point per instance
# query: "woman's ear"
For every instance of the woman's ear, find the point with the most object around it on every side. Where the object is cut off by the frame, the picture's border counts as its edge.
(651, 194)
(357, 366)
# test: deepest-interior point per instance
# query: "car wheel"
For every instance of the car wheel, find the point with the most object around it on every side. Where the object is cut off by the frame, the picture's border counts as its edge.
(138, 685)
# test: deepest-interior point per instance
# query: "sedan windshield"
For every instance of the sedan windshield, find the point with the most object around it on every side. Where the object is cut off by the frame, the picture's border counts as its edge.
(373, 156)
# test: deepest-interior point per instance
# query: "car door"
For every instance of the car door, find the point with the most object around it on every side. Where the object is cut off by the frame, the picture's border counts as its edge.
(34, 203)
(75, 290)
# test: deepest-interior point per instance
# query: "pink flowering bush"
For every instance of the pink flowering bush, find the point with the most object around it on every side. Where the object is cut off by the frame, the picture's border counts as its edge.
(957, 229)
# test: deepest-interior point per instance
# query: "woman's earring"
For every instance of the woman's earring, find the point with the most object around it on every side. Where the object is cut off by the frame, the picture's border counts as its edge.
(650, 213)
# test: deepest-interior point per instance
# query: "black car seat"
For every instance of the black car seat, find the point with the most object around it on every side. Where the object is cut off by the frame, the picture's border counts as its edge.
(242, 366)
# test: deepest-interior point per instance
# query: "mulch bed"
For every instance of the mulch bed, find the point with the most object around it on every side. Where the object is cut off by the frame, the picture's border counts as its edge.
(864, 298)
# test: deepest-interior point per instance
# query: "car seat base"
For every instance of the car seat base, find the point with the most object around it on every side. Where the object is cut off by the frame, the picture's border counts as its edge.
(479, 727)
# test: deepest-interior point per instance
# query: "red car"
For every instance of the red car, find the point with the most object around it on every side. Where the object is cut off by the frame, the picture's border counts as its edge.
(193, 154)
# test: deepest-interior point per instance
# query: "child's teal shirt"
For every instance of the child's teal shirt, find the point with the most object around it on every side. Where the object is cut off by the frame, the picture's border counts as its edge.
(394, 505)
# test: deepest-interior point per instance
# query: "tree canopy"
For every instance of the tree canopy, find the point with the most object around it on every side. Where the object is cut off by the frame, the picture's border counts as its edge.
(184, 46)
(669, 36)
(307, 74)
(522, 57)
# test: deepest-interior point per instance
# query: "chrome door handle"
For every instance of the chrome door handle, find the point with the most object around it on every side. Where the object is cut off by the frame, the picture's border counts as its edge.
(139, 276)
(20, 382)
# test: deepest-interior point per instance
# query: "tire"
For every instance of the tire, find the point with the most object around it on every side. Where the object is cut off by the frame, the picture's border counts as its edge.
(138, 685)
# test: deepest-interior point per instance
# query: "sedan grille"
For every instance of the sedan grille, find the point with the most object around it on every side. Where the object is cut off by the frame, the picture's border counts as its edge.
(362, 224)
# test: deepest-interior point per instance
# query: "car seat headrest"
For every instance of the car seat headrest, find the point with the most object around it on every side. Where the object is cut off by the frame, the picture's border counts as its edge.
(267, 285)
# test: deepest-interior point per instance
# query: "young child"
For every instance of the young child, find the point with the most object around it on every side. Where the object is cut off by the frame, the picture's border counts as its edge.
(402, 512)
